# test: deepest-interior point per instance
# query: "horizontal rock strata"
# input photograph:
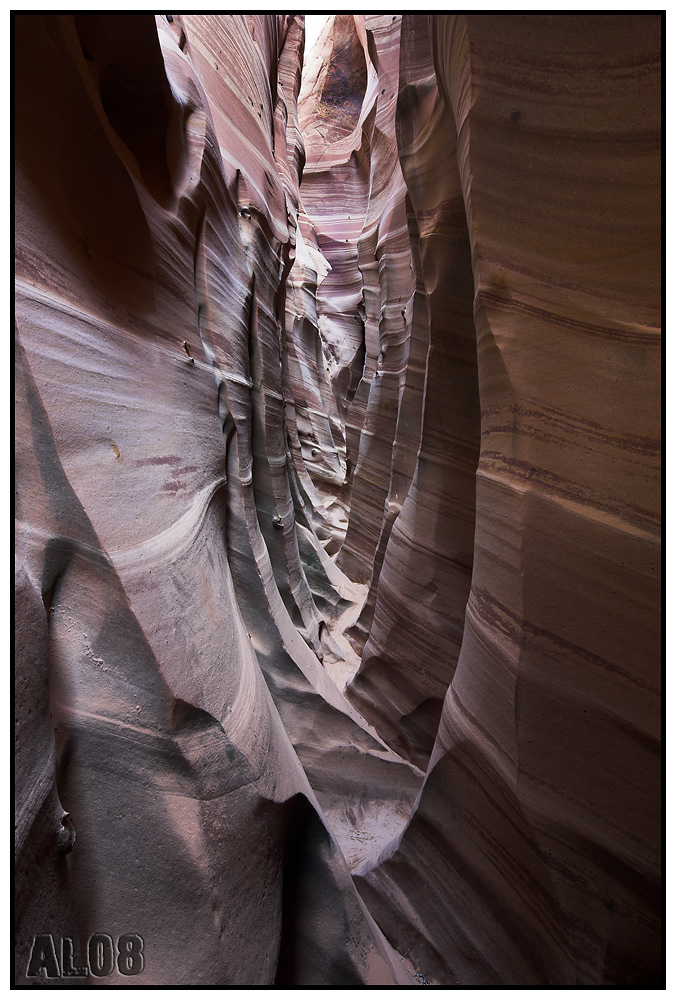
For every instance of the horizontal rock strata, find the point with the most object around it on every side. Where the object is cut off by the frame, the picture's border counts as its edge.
(337, 498)
(533, 855)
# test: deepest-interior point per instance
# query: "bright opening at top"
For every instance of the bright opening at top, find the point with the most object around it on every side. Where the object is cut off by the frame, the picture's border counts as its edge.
(313, 26)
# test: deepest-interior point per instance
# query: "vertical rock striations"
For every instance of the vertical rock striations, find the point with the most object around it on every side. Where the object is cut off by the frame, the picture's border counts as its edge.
(533, 855)
(337, 473)
(364, 304)
(415, 637)
(157, 195)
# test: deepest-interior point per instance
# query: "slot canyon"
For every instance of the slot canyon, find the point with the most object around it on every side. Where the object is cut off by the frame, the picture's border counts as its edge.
(337, 488)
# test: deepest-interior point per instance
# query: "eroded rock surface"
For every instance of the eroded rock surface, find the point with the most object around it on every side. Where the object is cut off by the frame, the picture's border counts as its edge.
(533, 855)
(337, 497)
(157, 187)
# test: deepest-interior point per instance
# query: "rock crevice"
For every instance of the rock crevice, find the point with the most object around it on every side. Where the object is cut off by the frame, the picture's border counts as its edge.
(337, 498)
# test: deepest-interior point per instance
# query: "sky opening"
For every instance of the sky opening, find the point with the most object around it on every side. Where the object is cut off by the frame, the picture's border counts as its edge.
(313, 26)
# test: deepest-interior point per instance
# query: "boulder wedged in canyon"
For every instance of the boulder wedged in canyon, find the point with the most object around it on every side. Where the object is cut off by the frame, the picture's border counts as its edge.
(337, 495)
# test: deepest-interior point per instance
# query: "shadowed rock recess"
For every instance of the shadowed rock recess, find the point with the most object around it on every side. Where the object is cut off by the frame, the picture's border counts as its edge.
(337, 489)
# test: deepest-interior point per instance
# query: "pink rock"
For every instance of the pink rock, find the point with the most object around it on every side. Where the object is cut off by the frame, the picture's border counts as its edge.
(337, 497)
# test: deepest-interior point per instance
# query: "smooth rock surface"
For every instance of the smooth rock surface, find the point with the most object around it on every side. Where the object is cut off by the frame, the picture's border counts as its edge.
(157, 195)
(337, 497)
(533, 854)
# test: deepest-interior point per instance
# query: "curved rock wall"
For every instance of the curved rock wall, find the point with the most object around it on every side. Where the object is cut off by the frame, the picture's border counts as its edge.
(533, 855)
(354, 192)
(337, 497)
(157, 195)
(417, 630)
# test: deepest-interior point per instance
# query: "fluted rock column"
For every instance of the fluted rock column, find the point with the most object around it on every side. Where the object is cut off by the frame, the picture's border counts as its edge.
(533, 856)
(414, 642)
(157, 182)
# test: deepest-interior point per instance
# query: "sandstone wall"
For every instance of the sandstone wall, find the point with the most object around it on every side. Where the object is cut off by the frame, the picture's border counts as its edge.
(157, 194)
(533, 855)
(337, 490)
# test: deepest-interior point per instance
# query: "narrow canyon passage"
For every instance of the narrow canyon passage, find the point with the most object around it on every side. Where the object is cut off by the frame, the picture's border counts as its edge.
(337, 500)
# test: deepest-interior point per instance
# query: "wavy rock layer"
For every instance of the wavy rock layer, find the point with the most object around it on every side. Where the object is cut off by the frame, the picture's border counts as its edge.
(337, 497)
(533, 855)
(157, 192)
